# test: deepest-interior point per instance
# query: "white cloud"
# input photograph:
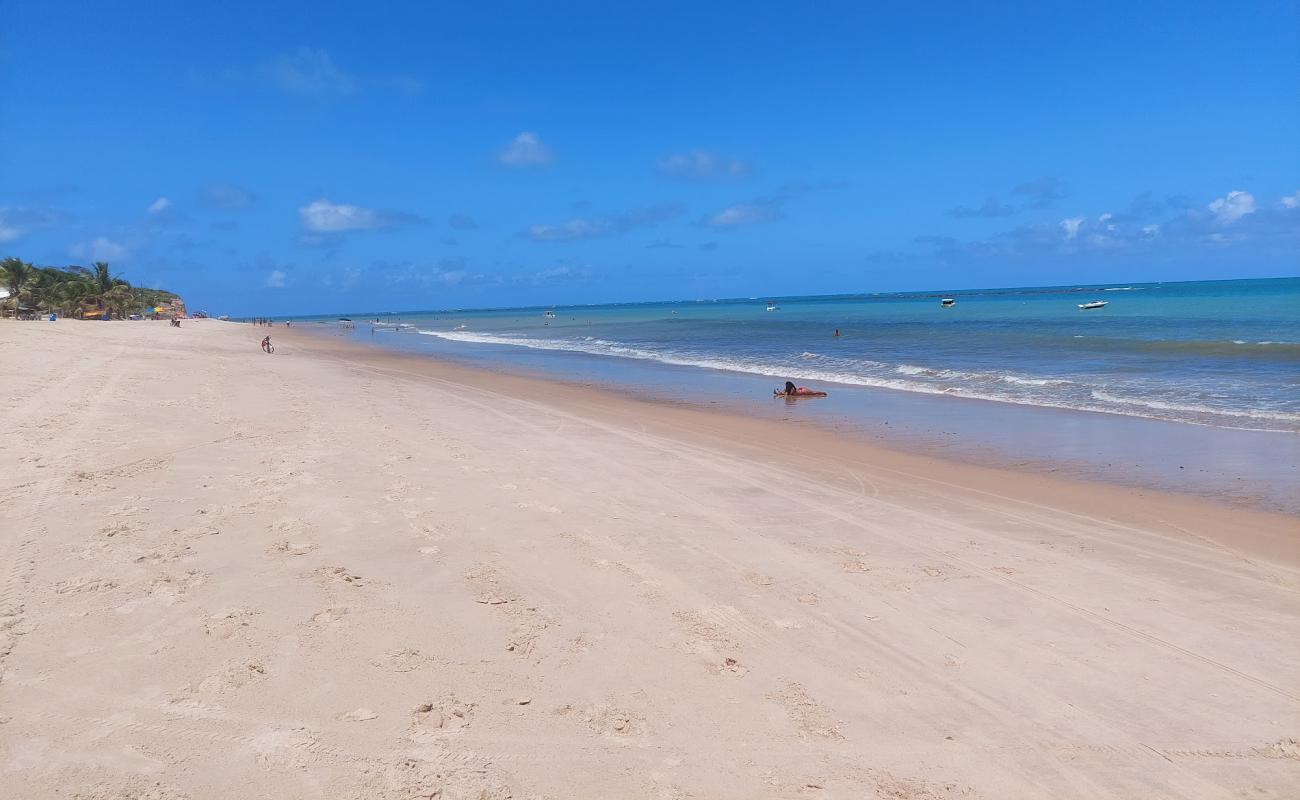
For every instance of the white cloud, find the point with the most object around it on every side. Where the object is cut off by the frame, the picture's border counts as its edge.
(9, 233)
(100, 249)
(1151, 230)
(701, 164)
(745, 214)
(160, 205)
(322, 216)
(275, 279)
(1232, 207)
(1292, 201)
(525, 151)
(309, 70)
(1071, 226)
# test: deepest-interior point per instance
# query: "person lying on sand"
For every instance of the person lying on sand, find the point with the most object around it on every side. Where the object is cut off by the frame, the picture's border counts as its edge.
(796, 391)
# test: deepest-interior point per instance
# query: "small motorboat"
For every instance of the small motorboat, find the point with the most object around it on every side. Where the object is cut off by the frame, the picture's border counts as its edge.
(1092, 305)
(772, 306)
(947, 302)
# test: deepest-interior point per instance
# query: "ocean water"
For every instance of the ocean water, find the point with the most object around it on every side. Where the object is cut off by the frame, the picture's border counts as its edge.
(1217, 353)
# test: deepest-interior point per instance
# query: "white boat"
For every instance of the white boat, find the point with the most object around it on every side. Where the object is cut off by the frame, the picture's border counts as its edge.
(947, 302)
(771, 306)
(1093, 304)
(549, 315)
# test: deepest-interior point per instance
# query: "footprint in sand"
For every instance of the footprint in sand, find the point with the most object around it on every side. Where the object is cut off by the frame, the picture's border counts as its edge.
(329, 616)
(809, 717)
(227, 624)
(329, 576)
(288, 548)
(234, 675)
(606, 720)
(430, 720)
(854, 566)
(732, 667)
(169, 589)
(405, 660)
(165, 555)
(84, 585)
(703, 634)
(529, 621)
(357, 715)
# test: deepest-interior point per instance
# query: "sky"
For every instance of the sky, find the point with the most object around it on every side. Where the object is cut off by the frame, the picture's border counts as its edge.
(297, 158)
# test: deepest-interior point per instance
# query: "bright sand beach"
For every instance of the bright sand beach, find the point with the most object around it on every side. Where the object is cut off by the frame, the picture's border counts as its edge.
(340, 573)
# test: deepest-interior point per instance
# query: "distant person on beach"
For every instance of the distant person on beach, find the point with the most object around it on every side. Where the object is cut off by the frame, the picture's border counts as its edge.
(798, 391)
(266, 345)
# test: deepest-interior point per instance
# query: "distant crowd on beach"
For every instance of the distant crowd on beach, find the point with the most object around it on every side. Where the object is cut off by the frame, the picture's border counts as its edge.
(268, 322)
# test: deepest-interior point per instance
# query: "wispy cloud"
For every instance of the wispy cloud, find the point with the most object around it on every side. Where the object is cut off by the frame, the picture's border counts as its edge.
(275, 279)
(989, 209)
(225, 197)
(664, 244)
(1291, 201)
(160, 205)
(583, 228)
(17, 221)
(767, 209)
(564, 273)
(101, 248)
(308, 70)
(525, 150)
(702, 165)
(325, 217)
(743, 214)
(1041, 192)
(462, 222)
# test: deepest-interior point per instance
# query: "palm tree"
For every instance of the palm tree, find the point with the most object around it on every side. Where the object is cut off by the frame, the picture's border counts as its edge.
(17, 274)
(102, 278)
(71, 295)
(120, 300)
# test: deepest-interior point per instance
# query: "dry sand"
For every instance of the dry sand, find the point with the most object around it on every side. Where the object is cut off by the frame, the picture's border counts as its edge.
(333, 574)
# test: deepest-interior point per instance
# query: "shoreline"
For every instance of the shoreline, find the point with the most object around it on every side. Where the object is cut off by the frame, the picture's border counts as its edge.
(1242, 467)
(1264, 532)
(338, 573)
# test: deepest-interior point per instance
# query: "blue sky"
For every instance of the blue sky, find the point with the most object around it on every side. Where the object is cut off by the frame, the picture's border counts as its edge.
(318, 157)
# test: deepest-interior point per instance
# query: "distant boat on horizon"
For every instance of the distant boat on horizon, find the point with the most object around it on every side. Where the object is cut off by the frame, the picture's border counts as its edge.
(1092, 305)
(947, 302)
(772, 306)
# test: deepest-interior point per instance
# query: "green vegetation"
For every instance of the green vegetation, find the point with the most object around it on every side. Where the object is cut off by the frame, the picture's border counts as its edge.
(71, 290)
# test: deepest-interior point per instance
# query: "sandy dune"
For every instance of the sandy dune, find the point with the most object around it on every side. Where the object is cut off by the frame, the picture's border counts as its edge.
(309, 575)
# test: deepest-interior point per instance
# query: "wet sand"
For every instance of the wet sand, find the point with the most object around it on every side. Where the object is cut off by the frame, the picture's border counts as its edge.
(337, 573)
